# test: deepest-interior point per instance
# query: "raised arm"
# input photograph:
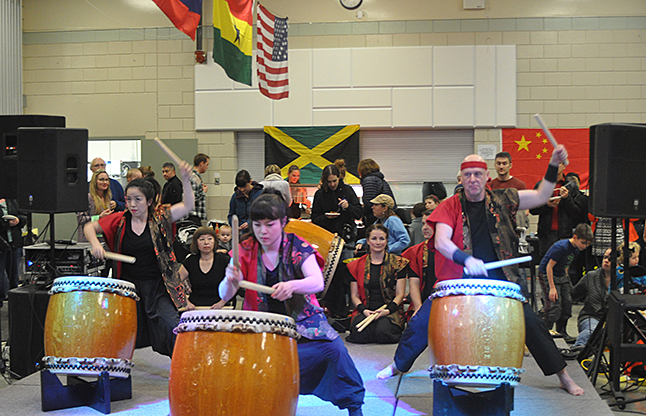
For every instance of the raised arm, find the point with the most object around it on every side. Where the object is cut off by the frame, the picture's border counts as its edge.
(182, 209)
(536, 197)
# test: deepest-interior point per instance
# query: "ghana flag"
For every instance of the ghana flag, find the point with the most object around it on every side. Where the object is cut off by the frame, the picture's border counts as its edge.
(312, 149)
(232, 38)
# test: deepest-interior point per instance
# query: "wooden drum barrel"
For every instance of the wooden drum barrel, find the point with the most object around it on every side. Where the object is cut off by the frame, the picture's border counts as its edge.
(229, 362)
(476, 332)
(91, 326)
(329, 246)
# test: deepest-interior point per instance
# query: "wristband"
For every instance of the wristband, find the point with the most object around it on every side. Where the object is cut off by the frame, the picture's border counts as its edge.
(552, 173)
(392, 307)
(460, 257)
(361, 307)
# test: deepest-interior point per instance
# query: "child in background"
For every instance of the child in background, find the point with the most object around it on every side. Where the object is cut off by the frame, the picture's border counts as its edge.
(224, 239)
(555, 282)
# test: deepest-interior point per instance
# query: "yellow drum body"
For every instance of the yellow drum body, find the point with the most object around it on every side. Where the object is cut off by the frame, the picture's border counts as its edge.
(91, 326)
(329, 246)
(228, 362)
(477, 332)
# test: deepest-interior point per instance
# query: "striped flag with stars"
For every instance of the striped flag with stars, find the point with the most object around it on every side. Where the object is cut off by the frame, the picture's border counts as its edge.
(271, 55)
(530, 152)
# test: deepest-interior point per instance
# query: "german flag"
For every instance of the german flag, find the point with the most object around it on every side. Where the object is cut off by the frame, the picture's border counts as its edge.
(530, 152)
(232, 38)
(312, 149)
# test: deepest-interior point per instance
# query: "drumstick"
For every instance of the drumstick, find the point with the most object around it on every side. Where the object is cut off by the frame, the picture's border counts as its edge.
(363, 324)
(258, 288)
(169, 152)
(235, 234)
(119, 257)
(503, 263)
(549, 134)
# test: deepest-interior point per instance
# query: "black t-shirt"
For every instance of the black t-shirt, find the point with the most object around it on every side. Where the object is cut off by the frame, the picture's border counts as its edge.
(141, 247)
(429, 276)
(374, 286)
(275, 306)
(483, 248)
(205, 285)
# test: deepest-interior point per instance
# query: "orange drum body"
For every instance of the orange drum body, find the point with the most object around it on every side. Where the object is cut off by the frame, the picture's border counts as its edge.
(229, 362)
(477, 332)
(91, 326)
(327, 244)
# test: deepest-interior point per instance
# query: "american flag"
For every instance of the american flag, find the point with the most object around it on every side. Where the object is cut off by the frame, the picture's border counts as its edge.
(271, 55)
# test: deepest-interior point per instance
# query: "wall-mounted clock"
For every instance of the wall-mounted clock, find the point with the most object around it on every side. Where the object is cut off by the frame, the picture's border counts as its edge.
(351, 4)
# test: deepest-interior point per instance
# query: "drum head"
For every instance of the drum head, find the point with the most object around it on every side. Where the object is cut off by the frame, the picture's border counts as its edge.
(93, 284)
(477, 287)
(237, 321)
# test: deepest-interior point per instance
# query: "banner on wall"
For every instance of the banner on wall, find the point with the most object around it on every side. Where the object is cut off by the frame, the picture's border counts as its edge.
(313, 148)
(232, 38)
(185, 14)
(530, 152)
(271, 55)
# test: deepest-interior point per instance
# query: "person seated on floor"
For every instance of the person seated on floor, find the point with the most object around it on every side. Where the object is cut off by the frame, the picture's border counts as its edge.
(287, 263)
(377, 287)
(634, 250)
(203, 270)
(592, 289)
(422, 263)
(382, 208)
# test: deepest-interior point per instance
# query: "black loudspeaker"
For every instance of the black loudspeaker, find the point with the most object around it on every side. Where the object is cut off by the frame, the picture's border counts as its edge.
(52, 169)
(8, 147)
(27, 311)
(617, 175)
(433, 188)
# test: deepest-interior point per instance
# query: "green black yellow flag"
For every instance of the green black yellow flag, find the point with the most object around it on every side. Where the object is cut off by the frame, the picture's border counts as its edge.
(313, 148)
(232, 38)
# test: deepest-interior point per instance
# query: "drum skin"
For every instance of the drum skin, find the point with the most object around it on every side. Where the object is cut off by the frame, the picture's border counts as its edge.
(477, 331)
(90, 324)
(234, 373)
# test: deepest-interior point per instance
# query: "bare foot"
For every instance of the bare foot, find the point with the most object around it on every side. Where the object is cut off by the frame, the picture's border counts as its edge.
(388, 372)
(567, 384)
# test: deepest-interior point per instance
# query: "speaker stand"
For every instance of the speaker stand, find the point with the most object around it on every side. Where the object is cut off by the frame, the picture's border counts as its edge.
(453, 401)
(78, 392)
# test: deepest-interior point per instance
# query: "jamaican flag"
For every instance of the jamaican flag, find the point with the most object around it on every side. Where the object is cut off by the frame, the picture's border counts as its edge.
(313, 148)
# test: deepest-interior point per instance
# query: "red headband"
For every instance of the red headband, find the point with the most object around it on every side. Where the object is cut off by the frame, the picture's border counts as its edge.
(467, 165)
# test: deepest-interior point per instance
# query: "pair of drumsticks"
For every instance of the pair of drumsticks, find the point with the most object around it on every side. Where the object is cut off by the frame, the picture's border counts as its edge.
(363, 324)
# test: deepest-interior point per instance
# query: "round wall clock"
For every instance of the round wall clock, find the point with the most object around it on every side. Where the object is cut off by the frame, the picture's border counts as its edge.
(351, 4)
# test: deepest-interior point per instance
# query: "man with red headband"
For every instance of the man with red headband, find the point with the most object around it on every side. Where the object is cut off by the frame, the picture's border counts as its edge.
(488, 220)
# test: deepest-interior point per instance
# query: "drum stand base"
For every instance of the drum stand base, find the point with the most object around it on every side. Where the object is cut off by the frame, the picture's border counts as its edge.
(453, 401)
(78, 392)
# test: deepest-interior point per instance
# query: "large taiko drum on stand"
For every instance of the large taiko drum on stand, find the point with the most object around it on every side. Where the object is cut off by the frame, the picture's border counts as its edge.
(329, 246)
(476, 332)
(229, 362)
(91, 326)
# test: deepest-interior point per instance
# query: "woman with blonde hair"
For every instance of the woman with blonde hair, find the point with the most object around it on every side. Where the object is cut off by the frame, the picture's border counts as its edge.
(99, 202)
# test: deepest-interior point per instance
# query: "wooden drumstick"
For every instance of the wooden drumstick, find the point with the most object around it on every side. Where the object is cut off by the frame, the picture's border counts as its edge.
(363, 324)
(258, 288)
(235, 249)
(169, 152)
(502, 263)
(119, 257)
(547, 131)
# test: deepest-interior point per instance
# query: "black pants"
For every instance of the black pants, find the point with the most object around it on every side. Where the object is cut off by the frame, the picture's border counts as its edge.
(156, 317)
(379, 331)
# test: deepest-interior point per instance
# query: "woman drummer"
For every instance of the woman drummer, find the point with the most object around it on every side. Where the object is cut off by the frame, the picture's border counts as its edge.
(145, 231)
(288, 264)
(377, 287)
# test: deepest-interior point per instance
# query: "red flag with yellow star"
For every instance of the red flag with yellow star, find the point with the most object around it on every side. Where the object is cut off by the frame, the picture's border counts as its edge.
(530, 152)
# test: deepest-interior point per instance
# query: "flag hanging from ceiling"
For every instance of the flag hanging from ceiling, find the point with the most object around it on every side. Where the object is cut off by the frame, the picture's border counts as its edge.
(271, 55)
(312, 149)
(232, 38)
(530, 152)
(185, 14)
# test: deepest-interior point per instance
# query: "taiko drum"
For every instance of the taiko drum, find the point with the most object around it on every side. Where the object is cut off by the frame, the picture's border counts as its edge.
(91, 326)
(476, 332)
(229, 362)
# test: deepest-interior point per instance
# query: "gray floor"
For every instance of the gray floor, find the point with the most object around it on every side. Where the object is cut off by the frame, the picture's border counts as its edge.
(410, 394)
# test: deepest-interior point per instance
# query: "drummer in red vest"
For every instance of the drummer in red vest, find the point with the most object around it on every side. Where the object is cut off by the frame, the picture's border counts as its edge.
(488, 218)
(292, 267)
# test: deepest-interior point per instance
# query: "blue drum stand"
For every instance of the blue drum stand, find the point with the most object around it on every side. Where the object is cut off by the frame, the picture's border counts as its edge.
(78, 392)
(453, 401)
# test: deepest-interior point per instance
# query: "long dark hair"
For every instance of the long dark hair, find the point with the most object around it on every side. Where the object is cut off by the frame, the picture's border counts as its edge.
(327, 171)
(268, 206)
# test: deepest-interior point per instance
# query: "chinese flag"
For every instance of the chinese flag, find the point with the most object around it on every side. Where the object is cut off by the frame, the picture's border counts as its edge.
(530, 152)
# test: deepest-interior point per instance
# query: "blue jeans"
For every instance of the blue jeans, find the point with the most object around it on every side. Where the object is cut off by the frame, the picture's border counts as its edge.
(414, 339)
(586, 328)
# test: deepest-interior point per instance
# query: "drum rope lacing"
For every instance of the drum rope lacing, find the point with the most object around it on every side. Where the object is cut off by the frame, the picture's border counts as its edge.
(95, 285)
(237, 324)
(475, 373)
(116, 367)
(511, 291)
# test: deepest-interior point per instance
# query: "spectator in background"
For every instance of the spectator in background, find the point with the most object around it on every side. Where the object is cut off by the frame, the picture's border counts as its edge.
(200, 165)
(134, 173)
(100, 202)
(504, 179)
(224, 239)
(373, 184)
(11, 224)
(398, 238)
(340, 164)
(300, 203)
(274, 182)
(118, 196)
(245, 192)
(147, 171)
(416, 234)
(431, 201)
(173, 189)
